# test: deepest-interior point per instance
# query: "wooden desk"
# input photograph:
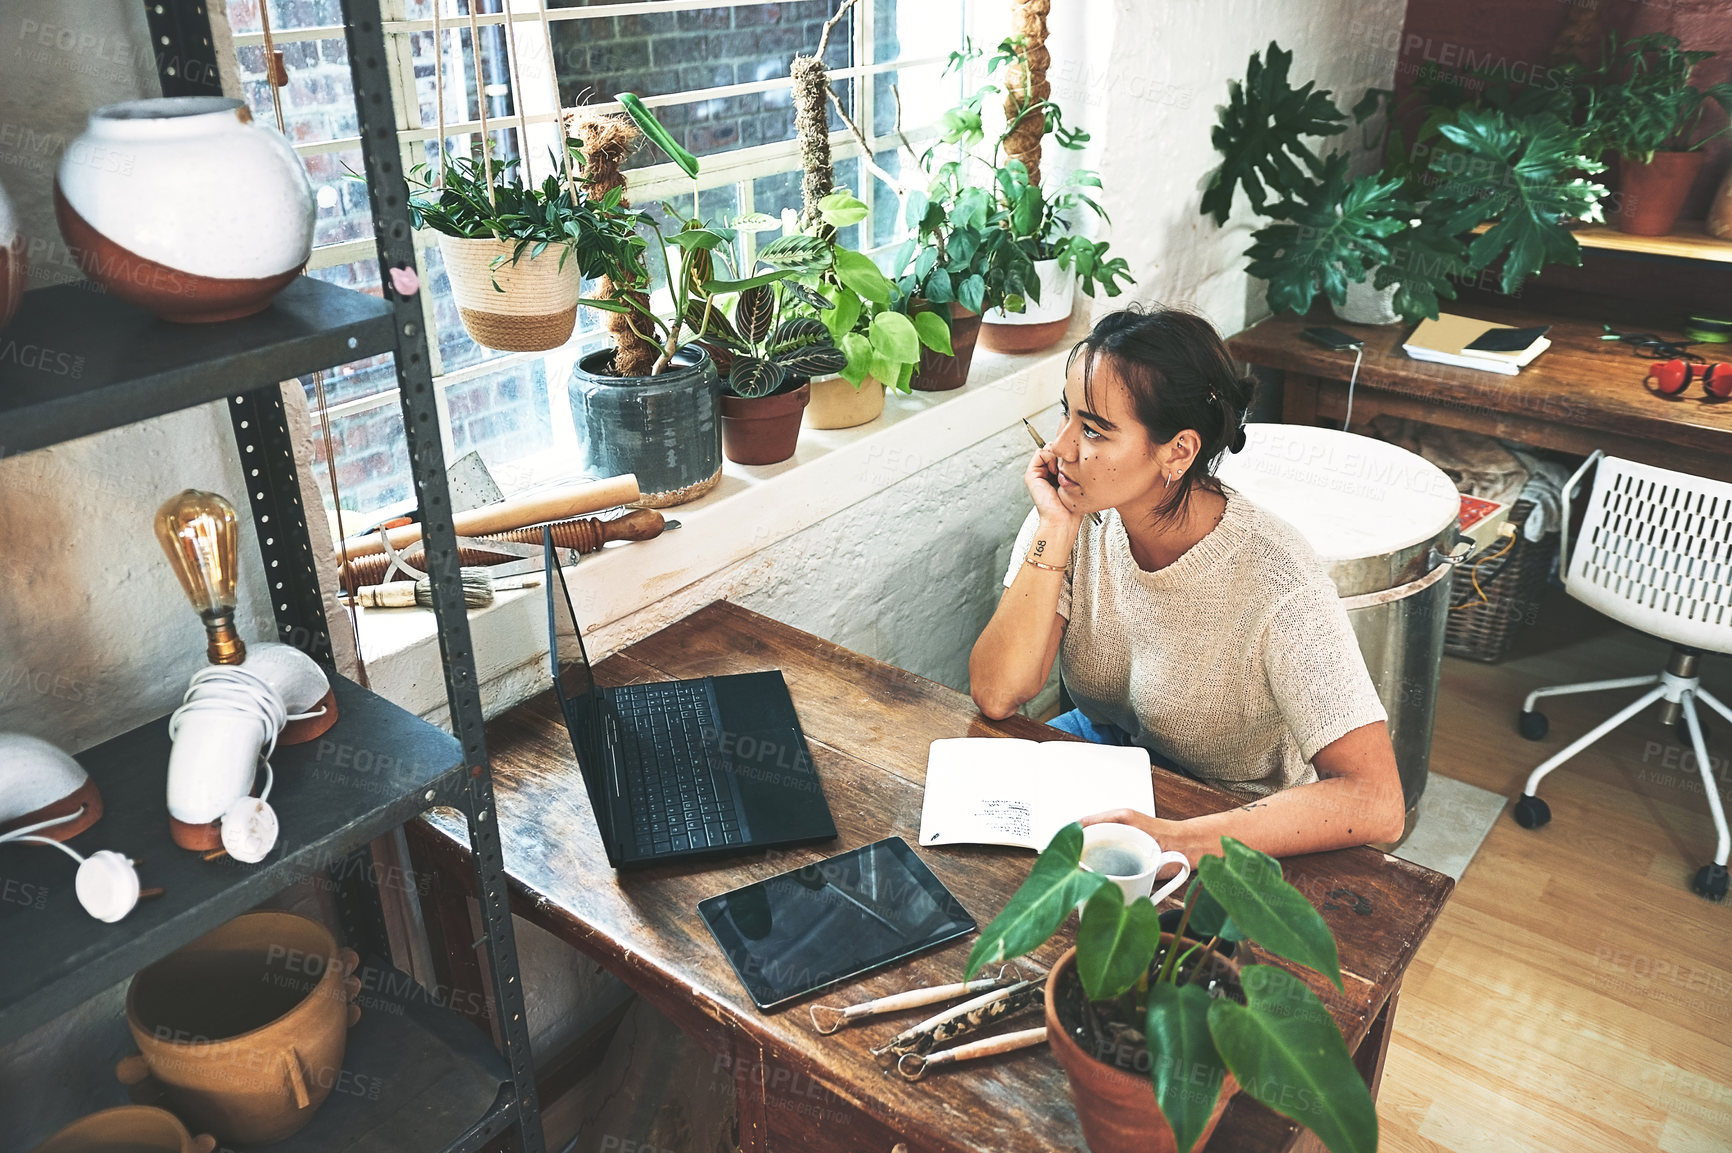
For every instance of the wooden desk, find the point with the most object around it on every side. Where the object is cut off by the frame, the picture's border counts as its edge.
(1581, 394)
(869, 725)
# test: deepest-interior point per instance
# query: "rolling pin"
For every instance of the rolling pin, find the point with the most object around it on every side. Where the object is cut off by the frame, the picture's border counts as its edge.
(535, 508)
(584, 535)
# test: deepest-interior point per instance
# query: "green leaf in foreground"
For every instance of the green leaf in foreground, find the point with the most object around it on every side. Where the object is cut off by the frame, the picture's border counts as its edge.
(1115, 942)
(1271, 912)
(1285, 1051)
(1054, 887)
(1183, 1063)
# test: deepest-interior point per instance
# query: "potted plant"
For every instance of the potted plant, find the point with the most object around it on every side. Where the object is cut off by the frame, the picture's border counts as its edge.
(1405, 234)
(514, 252)
(1646, 112)
(1157, 1030)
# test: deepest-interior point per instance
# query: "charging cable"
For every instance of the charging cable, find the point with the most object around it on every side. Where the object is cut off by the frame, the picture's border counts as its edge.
(107, 884)
(1358, 355)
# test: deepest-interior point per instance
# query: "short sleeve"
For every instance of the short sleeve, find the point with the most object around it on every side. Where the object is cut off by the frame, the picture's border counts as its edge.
(1316, 672)
(1019, 551)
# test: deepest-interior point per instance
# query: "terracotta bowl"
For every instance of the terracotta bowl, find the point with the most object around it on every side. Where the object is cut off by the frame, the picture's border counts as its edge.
(128, 1129)
(245, 1028)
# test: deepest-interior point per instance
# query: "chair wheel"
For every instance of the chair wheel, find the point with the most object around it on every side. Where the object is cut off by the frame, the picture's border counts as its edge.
(1683, 731)
(1533, 726)
(1711, 882)
(1531, 812)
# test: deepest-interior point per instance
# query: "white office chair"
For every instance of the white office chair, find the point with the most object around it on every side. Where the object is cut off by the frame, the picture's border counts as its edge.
(1655, 553)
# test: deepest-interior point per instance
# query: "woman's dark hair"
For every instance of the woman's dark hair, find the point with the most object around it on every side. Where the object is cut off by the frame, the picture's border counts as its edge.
(1180, 376)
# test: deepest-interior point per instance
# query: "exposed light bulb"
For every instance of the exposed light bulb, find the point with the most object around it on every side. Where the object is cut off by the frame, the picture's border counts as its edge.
(200, 533)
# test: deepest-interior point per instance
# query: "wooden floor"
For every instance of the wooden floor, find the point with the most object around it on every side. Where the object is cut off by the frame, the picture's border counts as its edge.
(1575, 994)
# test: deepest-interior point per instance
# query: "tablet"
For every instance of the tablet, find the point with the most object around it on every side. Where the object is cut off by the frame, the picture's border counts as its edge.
(803, 930)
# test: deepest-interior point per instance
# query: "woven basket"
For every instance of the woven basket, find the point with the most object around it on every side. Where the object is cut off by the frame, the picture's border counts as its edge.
(537, 307)
(1513, 584)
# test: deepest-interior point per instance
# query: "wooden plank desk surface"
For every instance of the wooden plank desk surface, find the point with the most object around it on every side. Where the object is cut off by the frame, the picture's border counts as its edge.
(869, 725)
(1582, 393)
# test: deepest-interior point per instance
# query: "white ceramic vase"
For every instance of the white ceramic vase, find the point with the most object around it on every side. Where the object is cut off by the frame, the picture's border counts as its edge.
(1040, 325)
(1368, 305)
(185, 207)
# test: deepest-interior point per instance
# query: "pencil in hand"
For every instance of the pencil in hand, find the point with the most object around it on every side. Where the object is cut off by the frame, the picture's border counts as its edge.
(1040, 442)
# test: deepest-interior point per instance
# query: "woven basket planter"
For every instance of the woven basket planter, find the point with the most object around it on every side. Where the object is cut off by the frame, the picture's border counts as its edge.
(536, 307)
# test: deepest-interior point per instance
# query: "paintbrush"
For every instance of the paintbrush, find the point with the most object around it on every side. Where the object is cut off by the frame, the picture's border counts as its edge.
(478, 589)
(1040, 442)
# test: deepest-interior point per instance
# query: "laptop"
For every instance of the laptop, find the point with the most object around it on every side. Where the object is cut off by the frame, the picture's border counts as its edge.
(688, 768)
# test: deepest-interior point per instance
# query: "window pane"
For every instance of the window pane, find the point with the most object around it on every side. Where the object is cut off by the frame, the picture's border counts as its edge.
(286, 14)
(319, 100)
(343, 210)
(771, 194)
(504, 415)
(364, 377)
(372, 459)
(659, 53)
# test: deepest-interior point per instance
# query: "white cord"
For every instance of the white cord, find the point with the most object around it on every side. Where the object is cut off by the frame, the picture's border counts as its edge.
(67, 849)
(1358, 355)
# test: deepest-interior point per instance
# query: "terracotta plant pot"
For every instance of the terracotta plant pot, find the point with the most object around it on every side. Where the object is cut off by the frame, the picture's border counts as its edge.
(763, 429)
(183, 206)
(666, 430)
(1039, 326)
(14, 273)
(1116, 1106)
(128, 1129)
(1720, 209)
(244, 1029)
(535, 307)
(838, 404)
(939, 373)
(1651, 195)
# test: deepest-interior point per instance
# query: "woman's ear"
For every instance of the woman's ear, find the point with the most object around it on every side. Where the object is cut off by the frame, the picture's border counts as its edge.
(1181, 451)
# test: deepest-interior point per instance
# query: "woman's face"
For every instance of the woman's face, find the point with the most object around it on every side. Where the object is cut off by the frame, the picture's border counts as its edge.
(1106, 459)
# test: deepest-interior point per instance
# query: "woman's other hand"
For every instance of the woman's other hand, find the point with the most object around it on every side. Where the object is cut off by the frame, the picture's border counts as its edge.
(1169, 835)
(1041, 477)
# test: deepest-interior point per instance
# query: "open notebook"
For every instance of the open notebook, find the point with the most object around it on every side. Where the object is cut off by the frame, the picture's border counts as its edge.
(1009, 791)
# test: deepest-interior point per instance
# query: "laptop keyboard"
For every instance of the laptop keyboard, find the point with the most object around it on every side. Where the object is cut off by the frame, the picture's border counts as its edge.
(678, 789)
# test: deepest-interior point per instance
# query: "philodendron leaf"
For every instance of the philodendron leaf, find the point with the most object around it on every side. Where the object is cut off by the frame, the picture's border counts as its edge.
(1039, 907)
(1284, 1049)
(1183, 1062)
(842, 208)
(659, 136)
(933, 332)
(1249, 886)
(1115, 942)
(859, 273)
(1208, 919)
(858, 349)
(894, 337)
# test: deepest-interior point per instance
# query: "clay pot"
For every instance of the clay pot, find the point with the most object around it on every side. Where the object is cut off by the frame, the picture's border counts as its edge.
(128, 1129)
(1651, 195)
(183, 206)
(1039, 326)
(837, 404)
(535, 307)
(244, 1029)
(940, 373)
(763, 429)
(1720, 209)
(665, 430)
(14, 273)
(1115, 1106)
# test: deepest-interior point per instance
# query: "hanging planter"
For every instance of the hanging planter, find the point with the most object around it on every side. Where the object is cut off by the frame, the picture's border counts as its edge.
(529, 305)
(941, 373)
(837, 404)
(1041, 324)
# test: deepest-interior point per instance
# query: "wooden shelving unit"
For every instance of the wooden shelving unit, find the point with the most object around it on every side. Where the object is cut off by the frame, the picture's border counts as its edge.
(1689, 240)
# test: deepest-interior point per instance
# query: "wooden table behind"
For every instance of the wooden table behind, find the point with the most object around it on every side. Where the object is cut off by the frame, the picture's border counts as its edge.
(869, 725)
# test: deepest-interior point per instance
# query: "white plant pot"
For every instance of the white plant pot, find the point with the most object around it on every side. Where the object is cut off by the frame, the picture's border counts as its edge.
(183, 206)
(1040, 325)
(534, 308)
(1368, 305)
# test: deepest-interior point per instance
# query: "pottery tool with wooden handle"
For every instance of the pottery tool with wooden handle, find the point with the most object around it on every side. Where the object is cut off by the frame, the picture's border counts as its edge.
(478, 589)
(828, 1019)
(582, 535)
(964, 1018)
(534, 508)
(913, 1066)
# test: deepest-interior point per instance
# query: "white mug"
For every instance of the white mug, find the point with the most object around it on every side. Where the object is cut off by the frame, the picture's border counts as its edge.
(1147, 853)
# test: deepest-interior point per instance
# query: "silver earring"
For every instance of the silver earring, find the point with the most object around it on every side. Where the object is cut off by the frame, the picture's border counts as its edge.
(1169, 480)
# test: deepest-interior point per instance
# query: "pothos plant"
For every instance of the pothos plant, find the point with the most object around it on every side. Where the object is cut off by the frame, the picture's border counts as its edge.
(1040, 223)
(1272, 1032)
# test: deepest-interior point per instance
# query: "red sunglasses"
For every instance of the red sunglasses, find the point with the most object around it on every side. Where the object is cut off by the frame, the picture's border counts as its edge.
(1673, 377)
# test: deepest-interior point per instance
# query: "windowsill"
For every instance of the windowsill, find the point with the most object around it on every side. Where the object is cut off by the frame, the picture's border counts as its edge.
(751, 508)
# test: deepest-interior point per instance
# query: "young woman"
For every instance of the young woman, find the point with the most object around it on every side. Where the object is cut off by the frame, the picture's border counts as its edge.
(1189, 621)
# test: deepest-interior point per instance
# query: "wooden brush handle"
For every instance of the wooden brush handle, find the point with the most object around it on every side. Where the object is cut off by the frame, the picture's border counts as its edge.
(502, 516)
(392, 595)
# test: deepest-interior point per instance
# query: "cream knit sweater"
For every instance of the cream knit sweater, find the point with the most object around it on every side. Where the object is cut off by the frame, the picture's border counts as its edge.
(1237, 659)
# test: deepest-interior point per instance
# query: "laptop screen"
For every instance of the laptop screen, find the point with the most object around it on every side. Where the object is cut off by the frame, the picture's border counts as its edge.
(570, 663)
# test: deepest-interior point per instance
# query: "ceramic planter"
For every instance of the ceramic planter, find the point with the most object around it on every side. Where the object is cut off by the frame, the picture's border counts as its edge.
(940, 373)
(184, 206)
(1368, 305)
(533, 309)
(665, 429)
(244, 1029)
(1116, 1106)
(1720, 209)
(763, 429)
(837, 404)
(1040, 325)
(128, 1129)
(1651, 195)
(13, 271)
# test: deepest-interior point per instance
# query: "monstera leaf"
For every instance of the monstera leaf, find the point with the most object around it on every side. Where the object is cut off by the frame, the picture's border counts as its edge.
(1517, 173)
(1336, 233)
(1258, 135)
(1425, 264)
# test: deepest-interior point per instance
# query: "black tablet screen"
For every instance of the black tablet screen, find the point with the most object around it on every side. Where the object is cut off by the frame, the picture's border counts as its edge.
(828, 921)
